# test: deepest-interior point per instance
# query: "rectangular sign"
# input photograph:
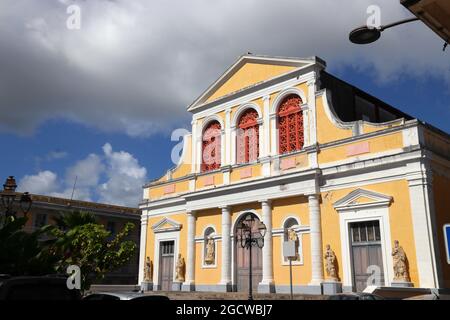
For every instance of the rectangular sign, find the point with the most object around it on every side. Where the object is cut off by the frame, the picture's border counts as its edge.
(289, 249)
(447, 241)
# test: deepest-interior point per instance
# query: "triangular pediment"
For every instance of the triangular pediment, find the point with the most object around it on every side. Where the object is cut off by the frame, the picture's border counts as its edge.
(248, 71)
(360, 198)
(166, 225)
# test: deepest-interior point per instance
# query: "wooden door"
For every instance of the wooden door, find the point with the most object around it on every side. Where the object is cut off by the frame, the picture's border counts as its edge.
(166, 257)
(366, 253)
(242, 264)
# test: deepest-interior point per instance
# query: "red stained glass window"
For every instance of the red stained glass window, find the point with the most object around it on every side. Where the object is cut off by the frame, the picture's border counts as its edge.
(211, 147)
(248, 137)
(290, 125)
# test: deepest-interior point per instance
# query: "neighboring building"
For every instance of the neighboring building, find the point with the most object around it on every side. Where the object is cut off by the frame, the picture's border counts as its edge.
(434, 13)
(45, 208)
(315, 159)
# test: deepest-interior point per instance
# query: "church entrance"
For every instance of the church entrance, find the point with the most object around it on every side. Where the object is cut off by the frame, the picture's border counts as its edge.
(242, 261)
(366, 254)
(166, 256)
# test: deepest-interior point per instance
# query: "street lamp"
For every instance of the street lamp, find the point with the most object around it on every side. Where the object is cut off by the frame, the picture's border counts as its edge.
(248, 237)
(365, 34)
(9, 195)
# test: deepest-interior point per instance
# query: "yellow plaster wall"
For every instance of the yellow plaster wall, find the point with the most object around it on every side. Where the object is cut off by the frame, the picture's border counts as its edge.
(369, 128)
(400, 220)
(326, 130)
(185, 167)
(281, 210)
(204, 219)
(150, 241)
(249, 74)
(441, 185)
(218, 180)
(157, 192)
(376, 144)
(235, 173)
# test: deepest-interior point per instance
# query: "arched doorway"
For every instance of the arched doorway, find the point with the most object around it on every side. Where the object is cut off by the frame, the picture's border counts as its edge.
(242, 259)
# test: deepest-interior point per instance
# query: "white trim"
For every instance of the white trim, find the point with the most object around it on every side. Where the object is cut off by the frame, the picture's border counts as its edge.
(242, 108)
(446, 242)
(274, 110)
(299, 63)
(214, 236)
(160, 237)
(349, 201)
(205, 122)
(291, 82)
(284, 93)
(299, 231)
(352, 214)
(142, 248)
(157, 227)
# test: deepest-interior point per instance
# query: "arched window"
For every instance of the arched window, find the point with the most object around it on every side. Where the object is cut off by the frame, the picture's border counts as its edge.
(248, 137)
(291, 234)
(290, 125)
(209, 247)
(211, 147)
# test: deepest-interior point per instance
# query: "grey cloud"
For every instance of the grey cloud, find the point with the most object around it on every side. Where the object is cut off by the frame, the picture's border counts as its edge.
(135, 65)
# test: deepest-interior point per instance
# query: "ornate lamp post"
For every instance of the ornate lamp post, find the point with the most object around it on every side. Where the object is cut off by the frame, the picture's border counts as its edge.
(9, 195)
(248, 237)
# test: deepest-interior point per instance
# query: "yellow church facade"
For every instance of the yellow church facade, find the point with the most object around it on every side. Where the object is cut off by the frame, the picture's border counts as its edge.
(320, 163)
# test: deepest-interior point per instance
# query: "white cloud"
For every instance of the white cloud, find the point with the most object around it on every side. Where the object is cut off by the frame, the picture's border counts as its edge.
(85, 172)
(135, 65)
(114, 177)
(45, 182)
(125, 178)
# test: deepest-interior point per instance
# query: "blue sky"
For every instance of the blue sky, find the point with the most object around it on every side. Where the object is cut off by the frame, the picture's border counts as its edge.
(100, 103)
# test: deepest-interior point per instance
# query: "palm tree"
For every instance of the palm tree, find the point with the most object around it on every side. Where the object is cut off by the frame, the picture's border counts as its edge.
(74, 219)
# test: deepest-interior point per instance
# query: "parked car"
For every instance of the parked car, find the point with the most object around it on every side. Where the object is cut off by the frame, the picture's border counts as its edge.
(355, 296)
(36, 288)
(135, 296)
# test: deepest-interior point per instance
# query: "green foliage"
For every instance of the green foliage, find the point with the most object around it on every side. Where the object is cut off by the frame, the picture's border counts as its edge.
(22, 253)
(75, 239)
(88, 245)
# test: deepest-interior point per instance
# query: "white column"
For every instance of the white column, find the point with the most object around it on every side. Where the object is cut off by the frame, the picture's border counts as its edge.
(422, 209)
(194, 146)
(316, 240)
(266, 285)
(223, 143)
(227, 137)
(142, 247)
(226, 249)
(266, 126)
(199, 157)
(188, 285)
(273, 135)
(233, 145)
(312, 137)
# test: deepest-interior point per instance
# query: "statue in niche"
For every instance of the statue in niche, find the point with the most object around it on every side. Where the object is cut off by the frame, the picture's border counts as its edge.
(148, 270)
(292, 236)
(401, 273)
(210, 255)
(330, 264)
(180, 269)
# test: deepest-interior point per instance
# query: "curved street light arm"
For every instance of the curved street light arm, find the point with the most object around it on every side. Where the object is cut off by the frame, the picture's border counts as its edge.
(382, 28)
